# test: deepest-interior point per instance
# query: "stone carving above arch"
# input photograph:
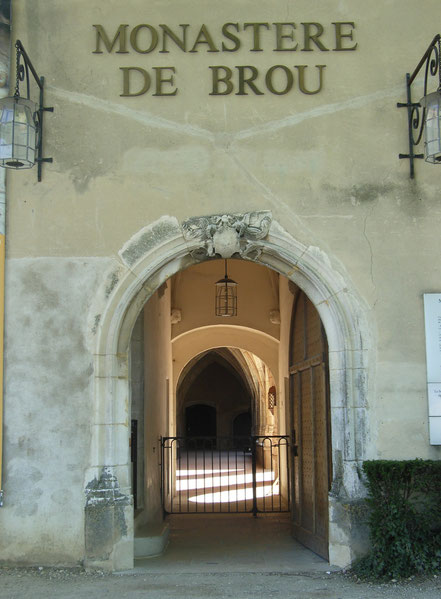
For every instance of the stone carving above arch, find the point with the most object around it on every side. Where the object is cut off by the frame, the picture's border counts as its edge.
(227, 235)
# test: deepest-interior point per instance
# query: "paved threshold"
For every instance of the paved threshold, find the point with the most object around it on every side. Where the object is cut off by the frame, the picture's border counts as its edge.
(232, 543)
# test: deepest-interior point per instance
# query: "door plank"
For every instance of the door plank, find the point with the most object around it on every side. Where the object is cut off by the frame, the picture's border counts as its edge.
(309, 399)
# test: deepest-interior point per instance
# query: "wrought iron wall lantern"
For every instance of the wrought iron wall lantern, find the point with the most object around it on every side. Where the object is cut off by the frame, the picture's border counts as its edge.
(21, 120)
(226, 296)
(425, 115)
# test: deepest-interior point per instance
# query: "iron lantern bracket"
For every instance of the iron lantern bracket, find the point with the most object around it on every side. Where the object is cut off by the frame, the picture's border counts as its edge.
(22, 74)
(416, 119)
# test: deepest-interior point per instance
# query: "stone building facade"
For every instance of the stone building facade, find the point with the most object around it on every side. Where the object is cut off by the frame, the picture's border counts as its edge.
(183, 134)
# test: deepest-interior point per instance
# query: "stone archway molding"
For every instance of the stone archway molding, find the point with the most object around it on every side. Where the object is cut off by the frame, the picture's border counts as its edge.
(227, 356)
(144, 263)
(201, 339)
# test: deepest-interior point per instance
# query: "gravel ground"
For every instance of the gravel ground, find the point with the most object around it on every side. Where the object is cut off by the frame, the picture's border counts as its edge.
(19, 583)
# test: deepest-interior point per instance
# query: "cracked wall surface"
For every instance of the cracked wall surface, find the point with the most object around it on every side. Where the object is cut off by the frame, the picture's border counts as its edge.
(48, 411)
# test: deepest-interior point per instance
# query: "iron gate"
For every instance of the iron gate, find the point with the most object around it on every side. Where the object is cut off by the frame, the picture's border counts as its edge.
(225, 474)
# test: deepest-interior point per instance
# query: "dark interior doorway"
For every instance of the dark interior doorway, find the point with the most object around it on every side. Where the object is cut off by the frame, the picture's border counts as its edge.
(200, 421)
(242, 425)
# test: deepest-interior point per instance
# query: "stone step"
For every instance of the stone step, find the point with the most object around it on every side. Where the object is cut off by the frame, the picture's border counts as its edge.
(151, 539)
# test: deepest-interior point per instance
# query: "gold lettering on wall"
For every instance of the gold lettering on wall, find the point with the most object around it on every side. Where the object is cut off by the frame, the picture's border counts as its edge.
(225, 80)
(278, 80)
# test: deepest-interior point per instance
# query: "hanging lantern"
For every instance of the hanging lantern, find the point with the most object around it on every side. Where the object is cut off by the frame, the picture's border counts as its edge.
(226, 296)
(432, 127)
(21, 120)
(18, 132)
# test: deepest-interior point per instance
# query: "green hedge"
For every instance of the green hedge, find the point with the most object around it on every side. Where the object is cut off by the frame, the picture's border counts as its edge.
(405, 518)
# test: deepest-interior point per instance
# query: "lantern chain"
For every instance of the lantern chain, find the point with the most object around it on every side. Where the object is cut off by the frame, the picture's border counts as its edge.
(439, 64)
(21, 71)
(17, 71)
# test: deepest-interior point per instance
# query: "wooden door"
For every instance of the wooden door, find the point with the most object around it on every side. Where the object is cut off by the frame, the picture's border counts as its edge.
(309, 403)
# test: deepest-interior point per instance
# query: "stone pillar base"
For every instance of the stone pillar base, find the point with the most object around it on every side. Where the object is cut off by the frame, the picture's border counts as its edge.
(108, 525)
(348, 530)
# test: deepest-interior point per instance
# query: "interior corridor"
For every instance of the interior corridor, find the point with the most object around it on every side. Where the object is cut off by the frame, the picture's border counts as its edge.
(231, 417)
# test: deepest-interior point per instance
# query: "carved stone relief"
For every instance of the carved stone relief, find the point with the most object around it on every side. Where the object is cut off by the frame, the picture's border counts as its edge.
(227, 235)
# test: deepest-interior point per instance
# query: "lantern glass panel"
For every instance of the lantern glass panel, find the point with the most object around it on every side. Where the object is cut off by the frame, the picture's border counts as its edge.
(18, 132)
(432, 127)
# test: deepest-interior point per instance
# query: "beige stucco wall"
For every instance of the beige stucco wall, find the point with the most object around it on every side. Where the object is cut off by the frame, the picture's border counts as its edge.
(326, 165)
(48, 409)
(193, 293)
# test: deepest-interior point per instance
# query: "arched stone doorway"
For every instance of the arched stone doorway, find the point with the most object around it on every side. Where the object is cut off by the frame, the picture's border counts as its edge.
(242, 425)
(145, 262)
